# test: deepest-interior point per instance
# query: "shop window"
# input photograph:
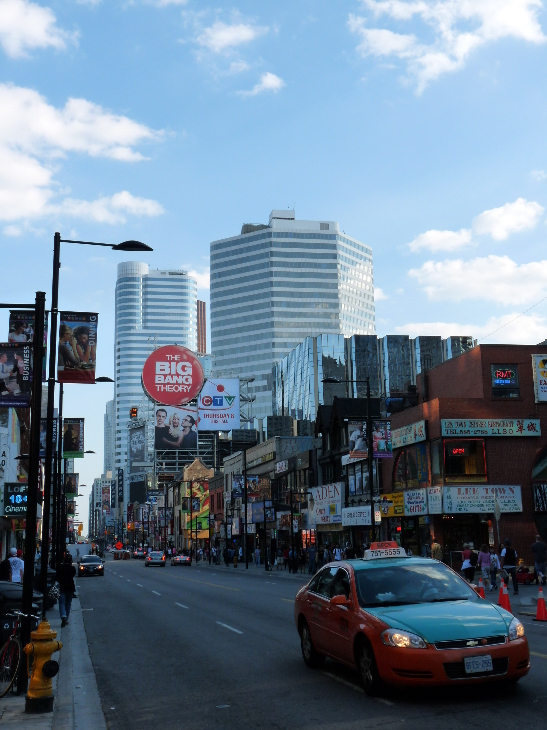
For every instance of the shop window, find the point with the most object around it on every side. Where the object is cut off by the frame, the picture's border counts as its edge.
(505, 381)
(464, 460)
(405, 473)
(437, 462)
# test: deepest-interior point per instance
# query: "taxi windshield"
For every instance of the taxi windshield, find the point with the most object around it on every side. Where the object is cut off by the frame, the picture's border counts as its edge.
(398, 585)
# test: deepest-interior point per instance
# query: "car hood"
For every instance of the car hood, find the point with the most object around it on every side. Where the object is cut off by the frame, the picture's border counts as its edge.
(448, 621)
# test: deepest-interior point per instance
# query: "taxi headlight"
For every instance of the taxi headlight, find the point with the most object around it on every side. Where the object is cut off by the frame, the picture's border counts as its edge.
(516, 630)
(403, 639)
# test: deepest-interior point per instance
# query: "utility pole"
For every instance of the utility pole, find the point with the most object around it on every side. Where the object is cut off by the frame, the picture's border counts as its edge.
(370, 456)
(245, 501)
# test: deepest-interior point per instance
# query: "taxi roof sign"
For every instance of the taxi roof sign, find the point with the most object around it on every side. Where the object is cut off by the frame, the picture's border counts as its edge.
(384, 550)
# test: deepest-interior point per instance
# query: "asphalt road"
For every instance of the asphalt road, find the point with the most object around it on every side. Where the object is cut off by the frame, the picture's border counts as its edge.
(210, 646)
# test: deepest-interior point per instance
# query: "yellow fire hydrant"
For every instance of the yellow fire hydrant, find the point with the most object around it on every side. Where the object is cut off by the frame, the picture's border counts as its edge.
(41, 668)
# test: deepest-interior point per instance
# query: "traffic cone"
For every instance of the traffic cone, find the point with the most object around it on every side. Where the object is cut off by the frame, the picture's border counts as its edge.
(481, 588)
(541, 613)
(505, 602)
(500, 594)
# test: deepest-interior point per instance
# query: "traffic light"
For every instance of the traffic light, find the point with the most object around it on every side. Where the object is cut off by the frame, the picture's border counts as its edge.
(133, 412)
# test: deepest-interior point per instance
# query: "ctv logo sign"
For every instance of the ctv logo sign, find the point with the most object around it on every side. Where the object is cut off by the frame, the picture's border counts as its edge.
(172, 376)
(218, 405)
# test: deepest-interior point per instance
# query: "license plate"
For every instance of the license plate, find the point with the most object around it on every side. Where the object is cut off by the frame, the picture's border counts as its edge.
(474, 664)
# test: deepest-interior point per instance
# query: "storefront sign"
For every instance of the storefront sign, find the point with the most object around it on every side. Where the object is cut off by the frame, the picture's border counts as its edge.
(435, 500)
(476, 499)
(356, 516)
(491, 427)
(15, 498)
(411, 434)
(422, 464)
(415, 502)
(539, 369)
(282, 466)
(392, 505)
(325, 504)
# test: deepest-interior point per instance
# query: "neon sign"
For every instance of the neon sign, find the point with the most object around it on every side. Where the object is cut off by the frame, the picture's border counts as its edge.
(458, 451)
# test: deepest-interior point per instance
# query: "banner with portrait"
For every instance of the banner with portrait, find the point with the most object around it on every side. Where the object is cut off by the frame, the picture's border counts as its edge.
(21, 330)
(77, 350)
(137, 448)
(357, 439)
(105, 492)
(71, 484)
(175, 428)
(73, 438)
(43, 435)
(15, 374)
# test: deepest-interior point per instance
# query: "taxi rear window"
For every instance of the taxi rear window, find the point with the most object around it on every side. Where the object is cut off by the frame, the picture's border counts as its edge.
(399, 585)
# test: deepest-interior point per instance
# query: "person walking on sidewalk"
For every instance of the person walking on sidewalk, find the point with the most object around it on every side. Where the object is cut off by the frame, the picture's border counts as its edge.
(540, 559)
(17, 566)
(494, 567)
(484, 562)
(509, 556)
(67, 589)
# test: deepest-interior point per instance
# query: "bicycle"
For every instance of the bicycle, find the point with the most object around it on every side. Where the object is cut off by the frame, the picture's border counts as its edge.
(11, 653)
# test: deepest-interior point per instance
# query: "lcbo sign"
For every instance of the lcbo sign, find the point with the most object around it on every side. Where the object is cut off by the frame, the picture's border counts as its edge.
(172, 375)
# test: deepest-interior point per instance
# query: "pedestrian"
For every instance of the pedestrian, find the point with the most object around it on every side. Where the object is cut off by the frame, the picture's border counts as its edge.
(436, 551)
(5, 570)
(349, 552)
(337, 553)
(257, 556)
(509, 557)
(326, 556)
(17, 566)
(311, 561)
(302, 559)
(286, 559)
(494, 567)
(235, 557)
(240, 552)
(65, 578)
(484, 562)
(467, 567)
(540, 559)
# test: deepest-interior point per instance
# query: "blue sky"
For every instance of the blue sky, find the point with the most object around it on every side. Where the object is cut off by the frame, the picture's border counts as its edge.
(418, 124)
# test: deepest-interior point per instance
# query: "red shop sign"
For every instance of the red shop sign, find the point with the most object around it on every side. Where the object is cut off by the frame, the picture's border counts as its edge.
(172, 375)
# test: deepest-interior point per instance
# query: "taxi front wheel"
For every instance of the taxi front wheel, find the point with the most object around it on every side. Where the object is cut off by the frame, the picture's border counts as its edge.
(368, 670)
(311, 657)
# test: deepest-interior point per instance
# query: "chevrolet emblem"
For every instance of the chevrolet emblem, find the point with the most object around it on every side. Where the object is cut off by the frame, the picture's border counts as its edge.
(472, 643)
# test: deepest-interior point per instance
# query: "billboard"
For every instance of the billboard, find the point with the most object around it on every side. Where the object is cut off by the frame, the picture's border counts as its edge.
(137, 488)
(325, 504)
(200, 508)
(21, 329)
(105, 500)
(175, 428)
(77, 347)
(172, 375)
(15, 374)
(73, 438)
(15, 498)
(137, 447)
(71, 484)
(357, 439)
(218, 405)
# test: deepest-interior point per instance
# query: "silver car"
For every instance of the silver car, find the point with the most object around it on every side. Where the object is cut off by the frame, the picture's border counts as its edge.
(155, 558)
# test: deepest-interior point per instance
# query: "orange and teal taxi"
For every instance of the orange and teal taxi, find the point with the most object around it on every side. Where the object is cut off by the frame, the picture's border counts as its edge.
(407, 621)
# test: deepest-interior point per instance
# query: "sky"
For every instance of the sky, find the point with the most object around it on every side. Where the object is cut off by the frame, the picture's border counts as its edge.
(419, 125)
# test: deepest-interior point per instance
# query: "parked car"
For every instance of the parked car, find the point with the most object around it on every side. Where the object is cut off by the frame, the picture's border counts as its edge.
(11, 596)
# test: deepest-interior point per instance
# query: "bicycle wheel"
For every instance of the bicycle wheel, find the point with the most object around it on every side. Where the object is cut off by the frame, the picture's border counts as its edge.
(10, 657)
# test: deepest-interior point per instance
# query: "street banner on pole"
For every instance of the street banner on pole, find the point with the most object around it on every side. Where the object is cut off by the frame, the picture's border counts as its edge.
(43, 432)
(105, 500)
(73, 438)
(15, 374)
(218, 405)
(77, 347)
(21, 330)
(72, 482)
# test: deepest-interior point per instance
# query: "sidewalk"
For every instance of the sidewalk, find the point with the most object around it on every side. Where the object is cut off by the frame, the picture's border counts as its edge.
(77, 702)
(257, 570)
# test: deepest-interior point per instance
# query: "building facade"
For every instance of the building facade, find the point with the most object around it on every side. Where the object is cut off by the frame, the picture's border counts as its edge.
(109, 436)
(202, 327)
(272, 286)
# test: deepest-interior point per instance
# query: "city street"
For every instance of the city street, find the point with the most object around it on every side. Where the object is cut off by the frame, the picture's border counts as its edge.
(216, 647)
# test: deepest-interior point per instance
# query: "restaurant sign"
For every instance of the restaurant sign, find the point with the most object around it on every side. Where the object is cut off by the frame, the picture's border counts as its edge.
(415, 502)
(356, 515)
(411, 434)
(491, 427)
(476, 499)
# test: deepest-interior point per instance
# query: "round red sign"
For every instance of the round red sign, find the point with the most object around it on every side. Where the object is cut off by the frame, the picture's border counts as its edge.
(172, 375)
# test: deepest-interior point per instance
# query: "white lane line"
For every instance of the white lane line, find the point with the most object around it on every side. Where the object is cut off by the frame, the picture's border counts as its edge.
(230, 628)
(114, 572)
(140, 585)
(343, 681)
(181, 605)
(129, 580)
(87, 609)
(157, 594)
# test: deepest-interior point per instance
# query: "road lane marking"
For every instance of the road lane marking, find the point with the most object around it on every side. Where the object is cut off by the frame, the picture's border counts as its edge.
(157, 594)
(289, 600)
(231, 628)
(206, 583)
(87, 609)
(140, 585)
(129, 580)
(344, 681)
(181, 605)
(535, 653)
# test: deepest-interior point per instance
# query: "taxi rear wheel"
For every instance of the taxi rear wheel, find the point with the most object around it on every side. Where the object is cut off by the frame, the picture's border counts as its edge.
(311, 657)
(368, 670)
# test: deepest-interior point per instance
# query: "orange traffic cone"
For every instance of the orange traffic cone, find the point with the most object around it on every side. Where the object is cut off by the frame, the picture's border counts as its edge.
(505, 602)
(541, 613)
(481, 588)
(500, 594)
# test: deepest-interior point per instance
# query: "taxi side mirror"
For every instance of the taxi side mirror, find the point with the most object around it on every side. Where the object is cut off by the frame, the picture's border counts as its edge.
(340, 601)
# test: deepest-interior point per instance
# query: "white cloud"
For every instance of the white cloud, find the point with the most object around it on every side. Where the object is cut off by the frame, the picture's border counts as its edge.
(237, 67)
(220, 37)
(539, 175)
(165, 3)
(25, 26)
(524, 330)
(379, 294)
(441, 240)
(268, 82)
(201, 278)
(89, 2)
(35, 136)
(111, 209)
(510, 218)
(492, 278)
(458, 26)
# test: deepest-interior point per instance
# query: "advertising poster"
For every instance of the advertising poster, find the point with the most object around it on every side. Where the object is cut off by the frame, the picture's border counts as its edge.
(71, 484)
(43, 432)
(137, 448)
(21, 329)
(435, 500)
(257, 509)
(381, 440)
(172, 375)
(392, 505)
(218, 405)
(415, 502)
(200, 508)
(539, 369)
(137, 488)
(77, 347)
(357, 439)
(15, 374)
(252, 485)
(237, 486)
(73, 438)
(325, 504)
(105, 500)
(15, 498)
(175, 428)
(120, 485)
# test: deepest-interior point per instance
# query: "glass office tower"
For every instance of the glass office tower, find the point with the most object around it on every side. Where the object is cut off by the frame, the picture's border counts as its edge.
(272, 286)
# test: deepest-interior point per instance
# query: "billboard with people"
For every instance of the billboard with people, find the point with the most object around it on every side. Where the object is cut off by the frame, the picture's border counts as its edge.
(175, 428)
